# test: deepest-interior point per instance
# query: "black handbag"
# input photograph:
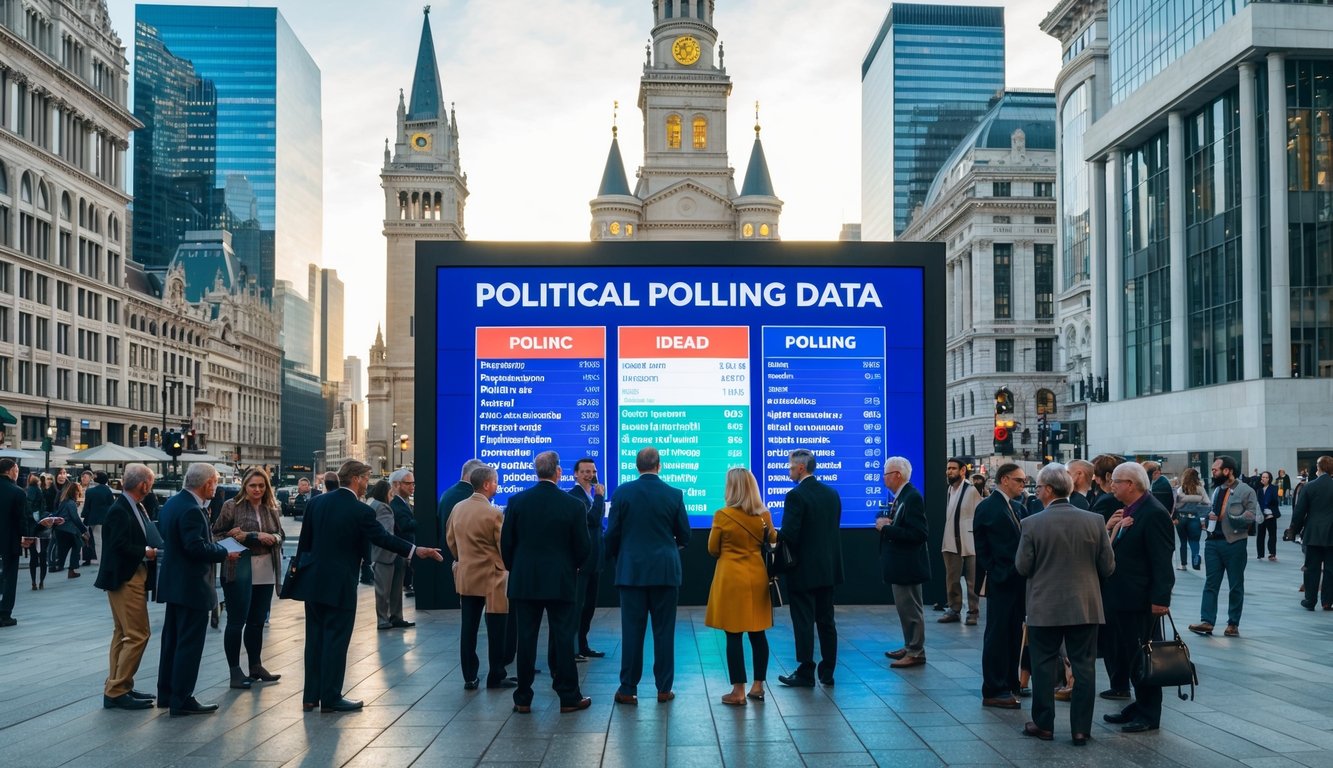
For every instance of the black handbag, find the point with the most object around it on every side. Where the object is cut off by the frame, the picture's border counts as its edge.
(1166, 663)
(296, 581)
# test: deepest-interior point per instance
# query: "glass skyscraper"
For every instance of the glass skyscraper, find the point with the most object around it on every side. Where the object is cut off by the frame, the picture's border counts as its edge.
(233, 139)
(929, 75)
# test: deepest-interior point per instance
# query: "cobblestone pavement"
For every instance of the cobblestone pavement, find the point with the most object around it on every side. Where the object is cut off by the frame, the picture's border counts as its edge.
(1266, 699)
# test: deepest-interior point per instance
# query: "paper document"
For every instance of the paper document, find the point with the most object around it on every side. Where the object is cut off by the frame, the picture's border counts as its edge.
(232, 545)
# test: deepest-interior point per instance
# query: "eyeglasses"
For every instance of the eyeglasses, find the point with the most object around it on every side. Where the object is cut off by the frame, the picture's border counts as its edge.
(1122, 480)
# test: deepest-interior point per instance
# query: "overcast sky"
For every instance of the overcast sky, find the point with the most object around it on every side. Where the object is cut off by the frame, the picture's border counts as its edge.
(534, 82)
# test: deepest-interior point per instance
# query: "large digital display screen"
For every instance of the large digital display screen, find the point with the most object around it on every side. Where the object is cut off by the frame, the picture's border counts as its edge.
(715, 365)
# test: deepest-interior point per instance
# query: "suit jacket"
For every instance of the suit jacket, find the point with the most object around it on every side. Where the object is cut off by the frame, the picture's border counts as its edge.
(383, 516)
(96, 503)
(123, 545)
(473, 536)
(337, 528)
(596, 506)
(185, 566)
(14, 518)
(404, 519)
(959, 512)
(543, 542)
(1065, 553)
(1164, 493)
(811, 518)
(648, 527)
(902, 543)
(1079, 501)
(1313, 521)
(448, 500)
(1242, 511)
(1144, 553)
(997, 541)
(1106, 505)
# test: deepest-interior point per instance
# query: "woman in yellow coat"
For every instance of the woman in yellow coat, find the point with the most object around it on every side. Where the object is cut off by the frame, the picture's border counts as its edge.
(738, 602)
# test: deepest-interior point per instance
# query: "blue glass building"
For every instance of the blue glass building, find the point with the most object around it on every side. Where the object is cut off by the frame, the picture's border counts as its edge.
(928, 77)
(233, 138)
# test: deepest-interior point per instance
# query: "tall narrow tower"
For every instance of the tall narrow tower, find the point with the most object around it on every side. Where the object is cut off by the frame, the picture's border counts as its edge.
(425, 191)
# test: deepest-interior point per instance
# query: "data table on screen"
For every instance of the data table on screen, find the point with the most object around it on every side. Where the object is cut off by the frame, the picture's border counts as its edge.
(539, 389)
(685, 391)
(824, 390)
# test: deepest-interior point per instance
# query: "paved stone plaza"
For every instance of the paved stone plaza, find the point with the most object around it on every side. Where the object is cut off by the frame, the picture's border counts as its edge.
(1266, 700)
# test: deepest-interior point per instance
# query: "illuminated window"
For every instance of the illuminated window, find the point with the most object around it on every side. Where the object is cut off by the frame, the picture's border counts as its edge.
(615, 228)
(673, 132)
(747, 230)
(701, 132)
(629, 230)
(763, 230)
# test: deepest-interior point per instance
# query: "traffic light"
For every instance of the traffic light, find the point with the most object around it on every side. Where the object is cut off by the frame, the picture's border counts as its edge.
(1004, 435)
(174, 444)
(402, 443)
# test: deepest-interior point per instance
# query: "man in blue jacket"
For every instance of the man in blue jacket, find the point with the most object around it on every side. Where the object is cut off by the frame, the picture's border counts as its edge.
(648, 528)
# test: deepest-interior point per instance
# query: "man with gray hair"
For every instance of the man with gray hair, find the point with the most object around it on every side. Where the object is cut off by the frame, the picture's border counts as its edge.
(128, 572)
(402, 485)
(454, 494)
(1064, 552)
(903, 532)
(811, 517)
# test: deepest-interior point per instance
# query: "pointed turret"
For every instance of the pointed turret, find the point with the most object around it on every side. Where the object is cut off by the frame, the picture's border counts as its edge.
(758, 205)
(427, 99)
(614, 181)
(616, 212)
(757, 180)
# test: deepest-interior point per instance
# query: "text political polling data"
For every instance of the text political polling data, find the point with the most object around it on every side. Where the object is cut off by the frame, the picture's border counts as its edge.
(718, 354)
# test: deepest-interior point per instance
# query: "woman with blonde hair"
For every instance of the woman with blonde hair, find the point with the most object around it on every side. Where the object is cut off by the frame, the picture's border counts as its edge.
(738, 602)
(251, 518)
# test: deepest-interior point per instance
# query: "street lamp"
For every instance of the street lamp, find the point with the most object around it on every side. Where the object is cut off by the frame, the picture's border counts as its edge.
(390, 447)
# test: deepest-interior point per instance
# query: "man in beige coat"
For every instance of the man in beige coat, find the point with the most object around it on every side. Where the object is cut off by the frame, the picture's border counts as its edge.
(957, 547)
(480, 578)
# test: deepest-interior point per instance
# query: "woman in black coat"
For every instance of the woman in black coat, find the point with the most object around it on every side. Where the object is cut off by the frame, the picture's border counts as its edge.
(71, 531)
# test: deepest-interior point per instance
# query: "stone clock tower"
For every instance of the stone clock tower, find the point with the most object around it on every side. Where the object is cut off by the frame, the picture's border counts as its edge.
(424, 194)
(686, 186)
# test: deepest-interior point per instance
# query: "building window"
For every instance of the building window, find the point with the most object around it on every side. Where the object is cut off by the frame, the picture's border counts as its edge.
(1043, 220)
(4, 325)
(1000, 220)
(1146, 292)
(1002, 280)
(673, 132)
(1045, 399)
(1043, 268)
(1004, 355)
(1310, 179)
(1045, 355)
(1043, 189)
(1001, 189)
(700, 132)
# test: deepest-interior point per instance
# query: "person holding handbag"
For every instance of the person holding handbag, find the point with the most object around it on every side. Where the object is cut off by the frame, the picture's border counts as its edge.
(738, 600)
(1192, 507)
(251, 518)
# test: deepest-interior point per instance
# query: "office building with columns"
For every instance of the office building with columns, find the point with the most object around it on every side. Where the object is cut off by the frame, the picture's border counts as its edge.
(1198, 159)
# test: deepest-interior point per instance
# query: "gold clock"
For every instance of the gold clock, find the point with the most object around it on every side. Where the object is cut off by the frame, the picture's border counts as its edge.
(421, 142)
(686, 50)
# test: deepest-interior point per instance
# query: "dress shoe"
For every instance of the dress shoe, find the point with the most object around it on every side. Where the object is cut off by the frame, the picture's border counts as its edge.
(1000, 702)
(308, 706)
(1272, 558)
(506, 683)
(1023, 693)
(1307, 605)
(627, 698)
(796, 681)
(125, 701)
(74, 574)
(1032, 730)
(262, 675)
(193, 707)
(1202, 628)
(1114, 695)
(580, 658)
(523, 709)
(591, 654)
(971, 620)
(1119, 718)
(949, 618)
(895, 655)
(826, 680)
(239, 681)
(9, 621)
(1064, 693)
(756, 695)
(1137, 726)
(140, 695)
(1080, 739)
(582, 703)
(403, 624)
(665, 697)
(343, 705)
(909, 661)
(1232, 631)
(382, 627)
(938, 607)
(472, 685)
(1180, 567)
(1329, 607)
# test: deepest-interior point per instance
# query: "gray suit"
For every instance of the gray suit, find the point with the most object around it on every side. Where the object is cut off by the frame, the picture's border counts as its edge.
(1065, 553)
(390, 569)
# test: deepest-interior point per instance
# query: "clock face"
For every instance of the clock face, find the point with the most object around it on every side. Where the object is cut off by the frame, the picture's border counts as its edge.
(686, 50)
(421, 142)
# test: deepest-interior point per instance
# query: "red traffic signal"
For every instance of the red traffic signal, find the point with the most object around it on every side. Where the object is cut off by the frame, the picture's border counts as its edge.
(1001, 434)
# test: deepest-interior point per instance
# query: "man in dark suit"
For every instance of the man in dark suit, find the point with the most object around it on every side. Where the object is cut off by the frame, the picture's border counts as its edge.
(1139, 592)
(96, 502)
(453, 494)
(543, 542)
(1313, 522)
(301, 499)
(811, 517)
(592, 495)
(1081, 472)
(337, 530)
(1064, 552)
(402, 484)
(14, 525)
(648, 528)
(1161, 487)
(128, 572)
(996, 528)
(185, 584)
(903, 532)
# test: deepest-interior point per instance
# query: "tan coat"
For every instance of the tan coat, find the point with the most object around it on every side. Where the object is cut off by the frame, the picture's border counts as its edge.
(473, 536)
(738, 600)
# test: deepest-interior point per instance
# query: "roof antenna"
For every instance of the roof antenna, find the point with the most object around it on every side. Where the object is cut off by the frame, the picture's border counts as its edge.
(615, 118)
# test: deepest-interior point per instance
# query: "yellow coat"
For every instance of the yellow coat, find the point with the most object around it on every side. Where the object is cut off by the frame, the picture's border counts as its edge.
(738, 601)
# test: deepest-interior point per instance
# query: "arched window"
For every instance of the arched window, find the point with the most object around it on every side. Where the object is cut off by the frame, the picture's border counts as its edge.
(764, 231)
(1045, 402)
(670, 9)
(673, 129)
(4, 179)
(953, 447)
(953, 408)
(972, 397)
(700, 132)
(25, 188)
(64, 206)
(43, 201)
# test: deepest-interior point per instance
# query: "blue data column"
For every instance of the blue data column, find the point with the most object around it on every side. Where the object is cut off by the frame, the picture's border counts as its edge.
(539, 389)
(824, 391)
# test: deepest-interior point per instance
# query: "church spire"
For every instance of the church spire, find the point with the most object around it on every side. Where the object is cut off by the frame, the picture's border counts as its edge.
(614, 181)
(427, 100)
(757, 180)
